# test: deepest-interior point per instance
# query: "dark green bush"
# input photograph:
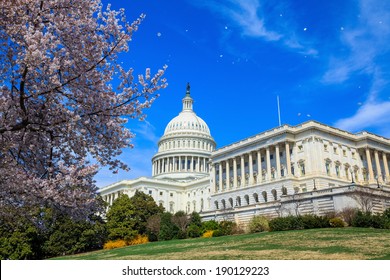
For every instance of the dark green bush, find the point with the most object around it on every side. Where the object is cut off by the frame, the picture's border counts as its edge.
(209, 225)
(217, 233)
(314, 221)
(168, 230)
(193, 231)
(280, 224)
(298, 222)
(362, 219)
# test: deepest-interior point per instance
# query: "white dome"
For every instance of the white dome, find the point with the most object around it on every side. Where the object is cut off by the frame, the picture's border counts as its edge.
(187, 121)
(185, 148)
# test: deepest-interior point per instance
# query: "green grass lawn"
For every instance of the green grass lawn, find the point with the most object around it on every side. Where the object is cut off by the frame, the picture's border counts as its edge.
(313, 244)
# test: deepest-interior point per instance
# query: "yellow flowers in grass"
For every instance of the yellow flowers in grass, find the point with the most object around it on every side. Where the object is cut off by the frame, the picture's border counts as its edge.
(114, 244)
(208, 234)
(139, 239)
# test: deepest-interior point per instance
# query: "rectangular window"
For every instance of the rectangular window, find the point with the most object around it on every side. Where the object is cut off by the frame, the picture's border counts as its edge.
(271, 156)
(150, 192)
(302, 169)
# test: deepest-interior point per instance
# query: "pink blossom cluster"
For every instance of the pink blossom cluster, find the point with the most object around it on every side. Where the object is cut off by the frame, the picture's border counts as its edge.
(57, 104)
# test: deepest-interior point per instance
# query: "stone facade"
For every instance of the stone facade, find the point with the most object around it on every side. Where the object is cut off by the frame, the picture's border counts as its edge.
(308, 168)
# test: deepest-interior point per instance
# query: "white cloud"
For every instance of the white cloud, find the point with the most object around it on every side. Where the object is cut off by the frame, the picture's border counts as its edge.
(367, 43)
(249, 16)
(369, 115)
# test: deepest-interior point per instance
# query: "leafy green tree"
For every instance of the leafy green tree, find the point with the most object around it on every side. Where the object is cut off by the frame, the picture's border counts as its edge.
(168, 230)
(128, 217)
(68, 236)
(50, 233)
(195, 219)
(120, 219)
(144, 207)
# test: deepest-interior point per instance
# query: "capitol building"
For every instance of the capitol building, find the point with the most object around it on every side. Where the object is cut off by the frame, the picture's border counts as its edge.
(307, 168)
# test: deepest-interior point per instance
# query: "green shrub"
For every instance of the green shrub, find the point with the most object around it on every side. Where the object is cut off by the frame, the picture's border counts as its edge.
(193, 231)
(336, 222)
(209, 225)
(298, 222)
(280, 224)
(217, 233)
(314, 221)
(258, 224)
(168, 230)
(362, 219)
(227, 227)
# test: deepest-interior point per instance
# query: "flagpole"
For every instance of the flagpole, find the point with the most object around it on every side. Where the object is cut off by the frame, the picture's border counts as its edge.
(277, 99)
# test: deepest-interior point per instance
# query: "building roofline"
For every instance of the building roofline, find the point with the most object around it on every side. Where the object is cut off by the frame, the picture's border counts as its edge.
(311, 124)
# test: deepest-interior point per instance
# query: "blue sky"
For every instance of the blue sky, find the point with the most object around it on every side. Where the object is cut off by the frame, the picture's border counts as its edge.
(327, 61)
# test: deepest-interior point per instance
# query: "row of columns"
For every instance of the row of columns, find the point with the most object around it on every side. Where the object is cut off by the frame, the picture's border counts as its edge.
(188, 144)
(109, 198)
(379, 173)
(241, 159)
(180, 164)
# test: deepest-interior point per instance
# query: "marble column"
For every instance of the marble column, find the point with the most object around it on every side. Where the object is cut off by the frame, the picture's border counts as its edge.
(277, 152)
(378, 166)
(220, 176)
(242, 171)
(214, 179)
(250, 159)
(227, 174)
(386, 165)
(288, 159)
(268, 159)
(369, 163)
(234, 173)
(259, 171)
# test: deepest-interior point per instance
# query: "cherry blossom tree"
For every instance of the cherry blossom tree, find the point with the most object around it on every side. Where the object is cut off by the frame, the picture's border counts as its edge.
(58, 106)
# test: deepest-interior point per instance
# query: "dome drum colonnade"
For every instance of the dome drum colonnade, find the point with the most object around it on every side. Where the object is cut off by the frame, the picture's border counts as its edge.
(185, 148)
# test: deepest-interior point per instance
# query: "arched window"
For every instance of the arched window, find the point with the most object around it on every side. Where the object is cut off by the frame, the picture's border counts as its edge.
(238, 201)
(223, 203)
(256, 197)
(246, 199)
(274, 194)
(216, 205)
(264, 193)
(284, 191)
(231, 202)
